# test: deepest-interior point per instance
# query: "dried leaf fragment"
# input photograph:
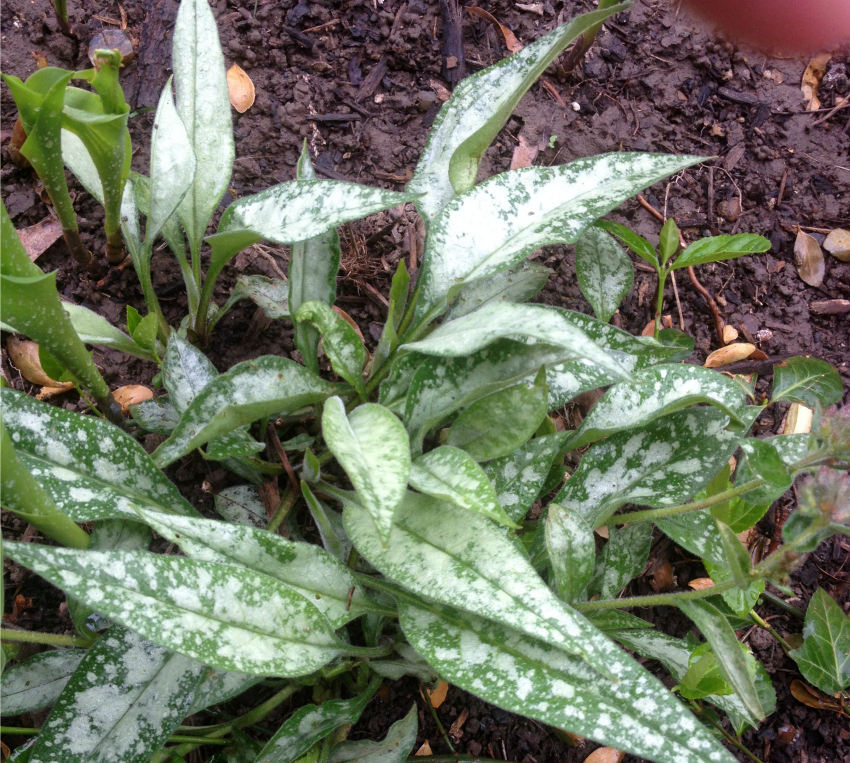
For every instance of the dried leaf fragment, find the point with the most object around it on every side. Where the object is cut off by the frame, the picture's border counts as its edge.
(837, 244)
(811, 697)
(511, 42)
(731, 353)
(425, 749)
(811, 80)
(605, 755)
(38, 238)
(700, 584)
(524, 154)
(798, 420)
(438, 695)
(24, 355)
(241, 89)
(130, 395)
(730, 334)
(808, 256)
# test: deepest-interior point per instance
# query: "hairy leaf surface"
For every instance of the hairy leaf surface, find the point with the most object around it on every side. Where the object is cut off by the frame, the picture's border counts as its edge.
(242, 505)
(218, 686)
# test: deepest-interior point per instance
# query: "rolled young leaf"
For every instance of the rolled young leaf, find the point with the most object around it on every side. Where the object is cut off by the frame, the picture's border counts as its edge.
(604, 271)
(373, 448)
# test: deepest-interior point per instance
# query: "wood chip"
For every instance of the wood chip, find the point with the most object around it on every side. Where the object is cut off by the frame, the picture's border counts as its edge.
(830, 307)
(455, 731)
(700, 584)
(837, 244)
(130, 395)
(241, 89)
(731, 353)
(38, 238)
(808, 257)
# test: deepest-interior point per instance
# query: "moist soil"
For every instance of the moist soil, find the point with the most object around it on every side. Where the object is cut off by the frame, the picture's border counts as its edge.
(362, 81)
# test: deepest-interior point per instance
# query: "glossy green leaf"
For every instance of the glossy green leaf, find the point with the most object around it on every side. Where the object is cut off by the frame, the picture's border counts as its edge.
(311, 723)
(571, 549)
(668, 240)
(94, 329)
(309, 570)
(504, 219)
(453, 475)
(479, 107)
(373, 448)
(662, 463)
(525, 676)
(91, 469)
(824, 658)
(704, 676)
(623, 558)
(759, 458)
(808, 381)
(266, 386)
(739, 600)
(395, 747)
(156, 415)
(726, 647)
(225, 616)
(735, 512)
(203, 105)
(717, 248)
(241, 504)
(516, 284)
(604, 271)
(638, 244)
(737, 556)
(657, 392)
(37, 682)
(172, 164)
(498, 424)
(519, 476)
(340, 342)
(432, 542)
(123, 702)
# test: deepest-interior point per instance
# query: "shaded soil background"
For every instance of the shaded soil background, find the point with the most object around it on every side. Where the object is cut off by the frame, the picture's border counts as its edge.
(361, 82)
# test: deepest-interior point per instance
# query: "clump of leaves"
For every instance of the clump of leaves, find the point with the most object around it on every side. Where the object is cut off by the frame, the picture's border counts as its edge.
(434, 448)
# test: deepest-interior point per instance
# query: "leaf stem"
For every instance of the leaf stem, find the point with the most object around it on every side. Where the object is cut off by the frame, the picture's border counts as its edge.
(660, 599)
(786, 647)
(659, 302)
(427, 697)
(783, 605)
(53, 639)
(286, 503)
(19, 731)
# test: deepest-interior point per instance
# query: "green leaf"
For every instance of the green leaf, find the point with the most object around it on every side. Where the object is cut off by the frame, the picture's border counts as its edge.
(726, 647)
(218, 686)
(616, 619)
(604, 271)
(668, 242)
(739, 600)
(638, 244)
(91, 469)
(737, 556)
(94, 329)
(399, 294)
(311, 723)
(307, 569)
(266, 386)
(432, 542)
(504, 219)
(657, 392)
(498, 424)
(37, 682)
(623, 558)
(453, 475)
(393, 390)
(759, 458)
(808, 381)
(156, 415)
(479, 108)
(203, 104)
(571, 549)
(269, 294)
(172, 164)
(394, 748)
(662, 463)
(516, 284)
(704, 676)
(519, 477)
(695, 531)
(340, 342)
(76, 157)
(329, 524)
(522, 675)
(121, 705)
(719, 248)
(824, 658)
(241, 504)
(373, 448)
(186, 371)
(228, 617)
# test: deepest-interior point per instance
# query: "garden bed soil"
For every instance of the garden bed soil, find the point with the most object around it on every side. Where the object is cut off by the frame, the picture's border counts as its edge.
(361, 81)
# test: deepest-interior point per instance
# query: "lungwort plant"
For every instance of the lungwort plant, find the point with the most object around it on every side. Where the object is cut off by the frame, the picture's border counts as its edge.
(413, 470)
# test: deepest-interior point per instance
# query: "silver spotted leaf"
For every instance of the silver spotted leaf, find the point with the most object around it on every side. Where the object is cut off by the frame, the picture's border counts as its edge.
(156, 415)
(242, 505)
(571, 549)
(604, 271)
(269, 294)
(218, 686)
(623, 558)
(185, 372)
(516, 284)
(395, 747)
(37, 681)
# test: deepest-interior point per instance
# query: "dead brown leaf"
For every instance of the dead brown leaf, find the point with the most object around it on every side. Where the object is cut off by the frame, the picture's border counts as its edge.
(24, 355)
(666, 323)
(603, 532)
(663, 577)
(438, 695)
(531, 7)
(45, 393)
(511, 42)
(811, 80)
(567, 737)
(605, 755)
(811, 697)
(130, 395)
(730, 334)
(731, 353)
(524, 154)
(837, 244)
(700, 584)
(425, 749)
(808, 257)
(38, 238)
(241, 89)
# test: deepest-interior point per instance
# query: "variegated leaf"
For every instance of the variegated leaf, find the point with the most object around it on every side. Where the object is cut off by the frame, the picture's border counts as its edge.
(604, 271)
(395, 747)
(504, 219)
(90, 468)
(453, 475)
(522, 675)
(308, 569)
(269, 294)
(373, 448)
(242, 505)
(516, 284)
(663, 463)
(263, 387)
(156, 415)
(37, 682)
(329, 524)
(623, 558)
(657, 392)
(225, 616)
(218, 686)
(123, 702)
(185, 372)
(571, 549)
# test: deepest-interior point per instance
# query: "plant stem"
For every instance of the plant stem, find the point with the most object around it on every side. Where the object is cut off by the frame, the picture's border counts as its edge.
(764, 624)
(442, 729)
(783, 605)
(659, 302)
(660, 599)
(286, 504)
(178, 738)
(19, 731)
(53, 639)
(734, 742)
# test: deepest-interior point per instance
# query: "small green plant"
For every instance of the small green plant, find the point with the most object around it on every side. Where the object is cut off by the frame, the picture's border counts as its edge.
(435, 448)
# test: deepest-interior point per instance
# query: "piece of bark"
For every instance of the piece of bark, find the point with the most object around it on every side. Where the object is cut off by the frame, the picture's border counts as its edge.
(370, 83)
(453, 66)
(830, 307)
(145, 81)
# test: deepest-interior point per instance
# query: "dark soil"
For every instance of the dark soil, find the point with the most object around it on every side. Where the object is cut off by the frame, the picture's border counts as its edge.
(654, 81)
